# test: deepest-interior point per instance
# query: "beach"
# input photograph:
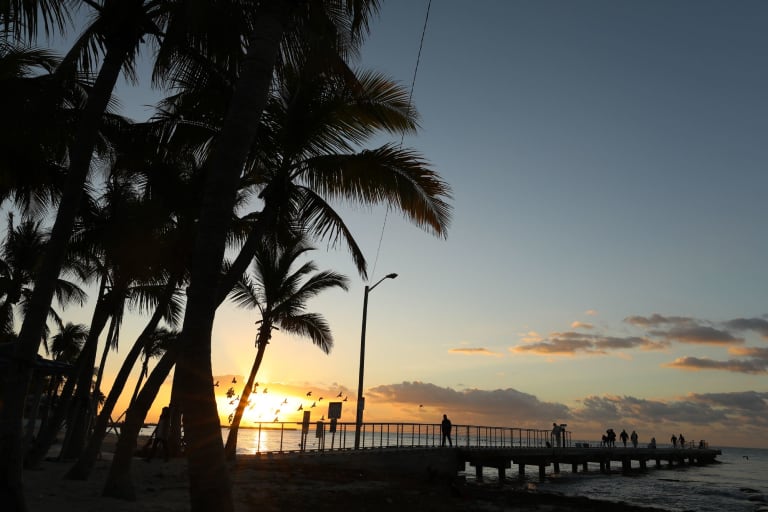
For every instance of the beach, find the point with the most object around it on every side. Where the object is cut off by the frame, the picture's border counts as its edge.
(264, 485)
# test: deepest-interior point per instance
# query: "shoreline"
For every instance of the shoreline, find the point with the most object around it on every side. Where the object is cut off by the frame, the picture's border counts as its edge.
(267, 486)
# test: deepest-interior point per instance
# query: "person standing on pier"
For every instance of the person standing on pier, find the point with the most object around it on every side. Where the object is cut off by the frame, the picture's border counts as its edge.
(445, 428)
(557, 430)
(681, 439)
(633, 438)
(624, 436)
(674, 441)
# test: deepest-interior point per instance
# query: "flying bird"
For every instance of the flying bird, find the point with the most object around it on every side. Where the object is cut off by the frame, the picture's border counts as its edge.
(340, 395)
(275, 420)
(265, 390)
(234, 380)
(309, 393)
(421, 405)
(345, 399)
(301, 407)
(284, 402)
(314, 404)
(322, 418)
(216, 384)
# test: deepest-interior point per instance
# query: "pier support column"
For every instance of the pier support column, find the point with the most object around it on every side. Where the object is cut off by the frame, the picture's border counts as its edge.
(502, 476)
(584, 468)
(521, 471)
(542, 472)
(479, 473)
(556, 466)
(658, 463)
(642, 464)
(575, 467)
(626, 465)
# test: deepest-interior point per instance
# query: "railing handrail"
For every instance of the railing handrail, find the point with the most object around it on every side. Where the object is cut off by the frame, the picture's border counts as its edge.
(380, 435)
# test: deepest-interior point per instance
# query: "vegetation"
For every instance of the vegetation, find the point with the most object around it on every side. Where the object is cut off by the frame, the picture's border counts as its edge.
(267, 126)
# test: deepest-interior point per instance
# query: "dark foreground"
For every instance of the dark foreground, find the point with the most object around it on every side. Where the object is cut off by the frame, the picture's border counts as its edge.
(267, 486)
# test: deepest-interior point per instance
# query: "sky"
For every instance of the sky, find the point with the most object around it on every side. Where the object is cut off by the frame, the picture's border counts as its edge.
(605, 264)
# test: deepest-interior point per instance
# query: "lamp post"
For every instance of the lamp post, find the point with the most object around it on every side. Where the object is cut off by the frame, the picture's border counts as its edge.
(360, 399)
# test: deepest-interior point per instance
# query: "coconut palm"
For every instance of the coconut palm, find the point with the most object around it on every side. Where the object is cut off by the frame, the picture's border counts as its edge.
(20, 255)
(280, 293)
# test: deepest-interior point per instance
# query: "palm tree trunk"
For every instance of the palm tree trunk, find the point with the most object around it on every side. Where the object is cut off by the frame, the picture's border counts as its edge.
(77, 428)
(84, 364)
(210, 486)
(230, 448)
(119, 482)
(82, 468)
(19, 371)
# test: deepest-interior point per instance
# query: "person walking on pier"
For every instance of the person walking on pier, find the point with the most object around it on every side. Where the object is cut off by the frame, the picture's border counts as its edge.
(445, 428)
(633, 438)
(681, 440)
(624, 436)
(674, 441)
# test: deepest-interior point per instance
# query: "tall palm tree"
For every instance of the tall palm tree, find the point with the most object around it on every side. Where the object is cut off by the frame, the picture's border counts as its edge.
(280, 293)
(20, 255)
(119, 31)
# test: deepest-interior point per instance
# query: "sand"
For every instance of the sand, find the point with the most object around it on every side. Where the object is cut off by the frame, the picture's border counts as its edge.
(266, 486)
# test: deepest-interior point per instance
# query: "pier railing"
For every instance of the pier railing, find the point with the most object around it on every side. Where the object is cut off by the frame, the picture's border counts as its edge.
(323, 436)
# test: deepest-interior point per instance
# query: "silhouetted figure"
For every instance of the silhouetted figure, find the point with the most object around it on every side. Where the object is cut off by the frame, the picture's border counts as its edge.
(161, 435)
(674, 441)
(652, 444)
(624, 436)
(681, 440)
(557, 432)
(633, 438)
(445, 428)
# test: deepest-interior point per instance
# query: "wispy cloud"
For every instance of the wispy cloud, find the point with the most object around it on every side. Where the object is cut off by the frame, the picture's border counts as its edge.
(479, 351)
(581, 325)
(572, 343)
(591, 312)
(754, 366)
(759, 325)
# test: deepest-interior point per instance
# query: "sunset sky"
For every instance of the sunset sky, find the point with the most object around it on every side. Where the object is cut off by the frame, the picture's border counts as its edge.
(605, 266)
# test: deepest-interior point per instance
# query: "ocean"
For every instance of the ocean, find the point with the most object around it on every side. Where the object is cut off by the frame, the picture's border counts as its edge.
(737, 483)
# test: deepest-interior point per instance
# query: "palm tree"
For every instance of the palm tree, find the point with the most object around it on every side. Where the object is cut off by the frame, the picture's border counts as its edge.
(279, 294)
(20, 255)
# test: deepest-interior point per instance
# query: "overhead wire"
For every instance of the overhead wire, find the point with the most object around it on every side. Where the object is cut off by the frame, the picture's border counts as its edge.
(402, 136)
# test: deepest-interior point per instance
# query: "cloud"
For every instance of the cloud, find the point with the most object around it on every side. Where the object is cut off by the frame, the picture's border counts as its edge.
(591, 312)
(531, 337)
(629, 409)
(571, 343)
(732, 365)
(475, 351)
(481, 404)
(581, 325)
(754, 352)
(657, 319)
(758, 325)
(699, 334)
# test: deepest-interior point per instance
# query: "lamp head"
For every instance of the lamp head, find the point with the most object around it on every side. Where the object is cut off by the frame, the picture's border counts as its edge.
(391, 276)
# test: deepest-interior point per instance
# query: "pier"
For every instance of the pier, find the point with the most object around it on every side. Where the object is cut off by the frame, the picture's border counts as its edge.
(578, 458)
(416, 449)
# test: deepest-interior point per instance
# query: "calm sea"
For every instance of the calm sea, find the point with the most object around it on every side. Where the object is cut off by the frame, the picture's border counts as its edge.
(739, 483)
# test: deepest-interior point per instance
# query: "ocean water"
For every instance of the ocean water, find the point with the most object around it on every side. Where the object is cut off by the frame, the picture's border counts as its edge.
(738, 483)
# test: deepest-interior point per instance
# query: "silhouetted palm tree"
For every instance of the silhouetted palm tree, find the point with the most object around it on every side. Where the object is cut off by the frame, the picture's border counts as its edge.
(280, 293)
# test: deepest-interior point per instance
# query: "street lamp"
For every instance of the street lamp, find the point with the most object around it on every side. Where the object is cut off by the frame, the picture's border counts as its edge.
(360, 399)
